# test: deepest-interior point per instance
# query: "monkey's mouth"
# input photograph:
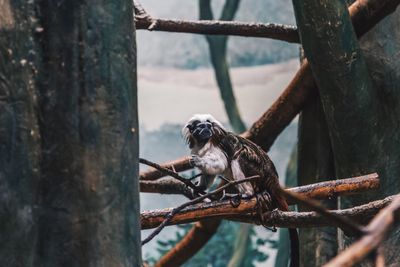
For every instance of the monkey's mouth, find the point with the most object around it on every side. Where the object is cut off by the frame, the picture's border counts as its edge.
(202, 134)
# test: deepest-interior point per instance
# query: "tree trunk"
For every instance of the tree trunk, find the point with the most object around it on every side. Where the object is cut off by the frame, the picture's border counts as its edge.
(77, 59)
(19, 135)
(362, 116)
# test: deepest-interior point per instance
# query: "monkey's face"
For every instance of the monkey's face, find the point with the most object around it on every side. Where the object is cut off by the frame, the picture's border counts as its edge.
(199, 129)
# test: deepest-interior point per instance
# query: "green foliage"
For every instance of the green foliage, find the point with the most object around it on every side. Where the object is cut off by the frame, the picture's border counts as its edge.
(218, 251)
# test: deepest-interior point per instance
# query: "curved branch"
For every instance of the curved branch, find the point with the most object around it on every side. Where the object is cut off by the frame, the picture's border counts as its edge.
(186, 248)
(322, 190)
(288, 219)
(213, 209)
(169, 217)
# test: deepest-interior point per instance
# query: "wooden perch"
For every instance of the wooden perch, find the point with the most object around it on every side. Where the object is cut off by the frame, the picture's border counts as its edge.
(288, 219)
(224, 208)
(321, 190)
(209, 195)
(214, 27)
(376, 232)
(165, 186)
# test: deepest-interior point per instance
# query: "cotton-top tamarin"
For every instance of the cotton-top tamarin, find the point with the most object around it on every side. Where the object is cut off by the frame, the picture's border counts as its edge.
(216, 151)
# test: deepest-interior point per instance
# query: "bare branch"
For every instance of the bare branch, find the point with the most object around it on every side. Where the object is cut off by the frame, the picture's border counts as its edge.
(214, 27)
(287, 219)
(173, 174)
(224, 208)
(165, 186)
(377, 231)
(174, 211)
(193, 241)
(320, 190)
(178, 165)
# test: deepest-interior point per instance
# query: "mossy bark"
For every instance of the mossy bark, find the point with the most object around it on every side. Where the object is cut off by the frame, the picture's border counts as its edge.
(19, 135)
(72, 146)
(359, 95)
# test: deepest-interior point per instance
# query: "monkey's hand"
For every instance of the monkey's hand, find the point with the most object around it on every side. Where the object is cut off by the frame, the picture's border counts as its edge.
(195, 161)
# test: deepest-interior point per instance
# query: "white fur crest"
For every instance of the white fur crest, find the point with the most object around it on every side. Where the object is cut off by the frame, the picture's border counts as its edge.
(201, 118)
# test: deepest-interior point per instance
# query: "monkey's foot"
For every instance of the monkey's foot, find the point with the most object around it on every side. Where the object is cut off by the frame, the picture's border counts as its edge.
(236, 200)
(226, 196)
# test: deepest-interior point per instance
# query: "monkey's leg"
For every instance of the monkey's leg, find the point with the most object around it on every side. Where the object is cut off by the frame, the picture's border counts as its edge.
(264, 204)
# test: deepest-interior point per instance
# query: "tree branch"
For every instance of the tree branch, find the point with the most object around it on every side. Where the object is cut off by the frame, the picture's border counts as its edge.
(377, 230)
(171, 173)
(169, 217)
(288, 219)
(224, 208)
(193, 241)
(165, 186)
(214, 27)
(322, 190)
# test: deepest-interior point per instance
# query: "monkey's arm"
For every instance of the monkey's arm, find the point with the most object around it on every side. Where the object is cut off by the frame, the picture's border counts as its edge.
(213, 162)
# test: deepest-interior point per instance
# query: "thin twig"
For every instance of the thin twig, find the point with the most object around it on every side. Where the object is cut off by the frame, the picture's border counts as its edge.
(169, 217)
(172, 174)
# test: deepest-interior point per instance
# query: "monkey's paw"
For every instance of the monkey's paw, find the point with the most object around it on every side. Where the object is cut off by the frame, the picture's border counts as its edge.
(195, 161)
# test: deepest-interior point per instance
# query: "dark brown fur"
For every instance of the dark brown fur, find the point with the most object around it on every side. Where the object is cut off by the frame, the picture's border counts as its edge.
(253, 160)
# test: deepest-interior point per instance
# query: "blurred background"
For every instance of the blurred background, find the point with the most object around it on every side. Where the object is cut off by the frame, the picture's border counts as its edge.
(177, 79)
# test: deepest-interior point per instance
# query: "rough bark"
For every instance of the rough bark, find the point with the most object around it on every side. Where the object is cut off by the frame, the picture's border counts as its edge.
(361, 114)
(89, 205)
(19, 135)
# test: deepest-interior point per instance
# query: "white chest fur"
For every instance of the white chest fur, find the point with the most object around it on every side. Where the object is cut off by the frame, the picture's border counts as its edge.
(211, 159)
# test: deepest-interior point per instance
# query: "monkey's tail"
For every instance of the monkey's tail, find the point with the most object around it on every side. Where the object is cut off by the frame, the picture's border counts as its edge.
(293, 235)
(294, 247)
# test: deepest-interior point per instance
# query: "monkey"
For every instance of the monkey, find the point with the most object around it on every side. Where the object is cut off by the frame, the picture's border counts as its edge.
(216, 151)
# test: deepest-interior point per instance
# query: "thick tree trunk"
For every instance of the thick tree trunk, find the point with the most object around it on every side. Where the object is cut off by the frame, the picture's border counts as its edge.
(77, 60)
(19, 135)
(362, 116)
